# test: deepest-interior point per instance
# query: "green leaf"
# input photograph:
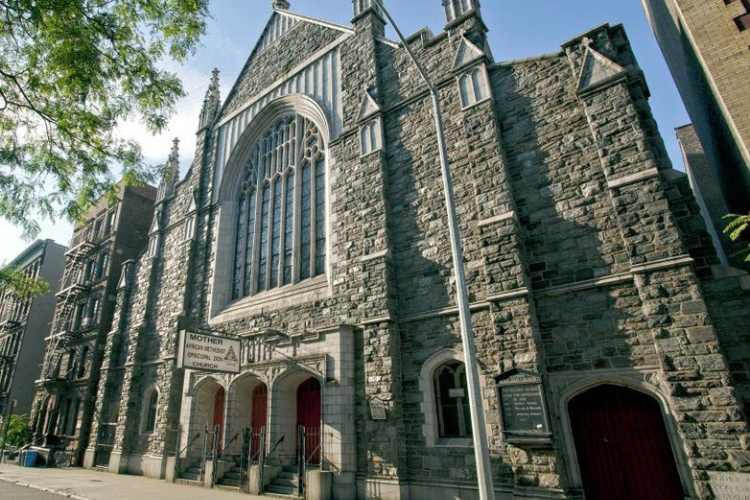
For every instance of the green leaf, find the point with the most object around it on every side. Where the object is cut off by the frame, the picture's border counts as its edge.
(70, 71)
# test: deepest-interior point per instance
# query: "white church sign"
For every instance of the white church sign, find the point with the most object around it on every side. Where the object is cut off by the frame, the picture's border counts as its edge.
(199, 351)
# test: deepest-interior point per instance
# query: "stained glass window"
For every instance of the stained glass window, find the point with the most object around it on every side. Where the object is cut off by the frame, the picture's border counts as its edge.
(281, 221)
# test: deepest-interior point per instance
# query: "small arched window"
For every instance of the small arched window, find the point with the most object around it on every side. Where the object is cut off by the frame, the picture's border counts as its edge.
(451, 399)
(370, 138)
(281, 215)
(151, 406)
(473, 87)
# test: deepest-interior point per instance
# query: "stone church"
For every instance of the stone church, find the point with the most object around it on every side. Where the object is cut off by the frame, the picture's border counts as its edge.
(310, 231)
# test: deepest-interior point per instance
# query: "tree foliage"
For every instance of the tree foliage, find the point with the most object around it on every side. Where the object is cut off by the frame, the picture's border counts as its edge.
(24, 287)
(70, 72)
(738, 229)
(19, 431)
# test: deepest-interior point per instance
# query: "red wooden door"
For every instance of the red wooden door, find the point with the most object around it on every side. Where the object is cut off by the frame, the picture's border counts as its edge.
(622, 446)
(219, 414)
(308, 415)
(259, 416)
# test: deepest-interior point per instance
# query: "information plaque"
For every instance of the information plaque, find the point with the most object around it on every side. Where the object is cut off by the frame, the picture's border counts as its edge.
(522, 406)
(377, 409)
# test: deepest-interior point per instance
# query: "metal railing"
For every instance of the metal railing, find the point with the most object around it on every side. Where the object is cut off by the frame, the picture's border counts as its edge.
(309, 452)
(105, 444)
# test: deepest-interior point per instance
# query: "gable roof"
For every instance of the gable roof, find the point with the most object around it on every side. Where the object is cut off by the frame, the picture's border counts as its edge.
(280, 23)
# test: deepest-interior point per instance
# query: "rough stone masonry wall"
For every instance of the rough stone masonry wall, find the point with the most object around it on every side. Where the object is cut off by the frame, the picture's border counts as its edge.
(492, 249)
(696, 376)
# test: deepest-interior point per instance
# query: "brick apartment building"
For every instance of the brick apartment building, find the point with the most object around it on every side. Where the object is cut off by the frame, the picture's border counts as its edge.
(707, 47)
(112, 232)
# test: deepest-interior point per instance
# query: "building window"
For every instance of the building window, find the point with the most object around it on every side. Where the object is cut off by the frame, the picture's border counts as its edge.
(72, 366)
(94, 311)
(457, 8)
(101, 268)
(73, 416)
(153, 244)
(451, 400)
(82, 362)
(190, 227)
(109, 226)
(152, 403)
(280, 227)
(473, 86)
(445, 403)
(370, 137)
(79, 317)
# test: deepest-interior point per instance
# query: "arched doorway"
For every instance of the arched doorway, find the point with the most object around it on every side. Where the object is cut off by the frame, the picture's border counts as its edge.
(218, 419)
(308, 416)
(622, 446)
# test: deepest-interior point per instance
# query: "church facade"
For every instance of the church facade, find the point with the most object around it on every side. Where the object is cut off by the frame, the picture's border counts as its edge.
(311, 231)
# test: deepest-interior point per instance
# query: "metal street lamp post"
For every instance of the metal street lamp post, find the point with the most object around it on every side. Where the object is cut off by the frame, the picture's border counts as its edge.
(481, 451)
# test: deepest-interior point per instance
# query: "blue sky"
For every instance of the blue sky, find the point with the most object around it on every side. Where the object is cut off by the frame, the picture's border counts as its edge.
(518, 29)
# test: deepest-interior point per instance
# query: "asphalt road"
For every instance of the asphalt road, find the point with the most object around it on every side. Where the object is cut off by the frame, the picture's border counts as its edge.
(10, 491)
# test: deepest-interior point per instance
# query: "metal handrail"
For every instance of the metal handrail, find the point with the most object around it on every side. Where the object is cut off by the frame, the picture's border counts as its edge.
(221, 452)
(275, 446)
(312, 454)
(189, 444)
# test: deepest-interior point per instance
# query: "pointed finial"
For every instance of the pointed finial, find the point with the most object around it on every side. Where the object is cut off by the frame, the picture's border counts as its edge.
(174, 156)
(280, 5)
(211, 102)
(213, 88)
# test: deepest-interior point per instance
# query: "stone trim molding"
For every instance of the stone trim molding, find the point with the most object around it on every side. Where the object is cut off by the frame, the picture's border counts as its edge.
(383, 254)
(612, 279)
(304, 291)
(632, 178)
(682, 260)
(375, 321)
(447, 311)
(497, 219)
(511, 294)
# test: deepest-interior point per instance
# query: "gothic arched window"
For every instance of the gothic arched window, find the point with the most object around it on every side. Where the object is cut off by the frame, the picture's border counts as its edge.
(280, 226)
(473, 87)
(451, 399)
(152, 405)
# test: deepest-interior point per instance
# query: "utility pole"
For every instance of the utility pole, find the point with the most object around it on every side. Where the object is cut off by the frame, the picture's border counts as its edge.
(479, 433)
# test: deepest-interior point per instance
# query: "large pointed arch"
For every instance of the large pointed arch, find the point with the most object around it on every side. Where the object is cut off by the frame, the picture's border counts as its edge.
(287, 105)
(235, 203)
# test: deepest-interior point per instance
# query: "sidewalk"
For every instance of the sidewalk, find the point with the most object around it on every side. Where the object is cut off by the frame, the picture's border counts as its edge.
(82, 484)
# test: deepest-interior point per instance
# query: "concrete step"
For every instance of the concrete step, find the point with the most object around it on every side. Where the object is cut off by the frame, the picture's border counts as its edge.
(188, 482)
(286, 483)
(274, 489)
(233, 483)
(190, 476)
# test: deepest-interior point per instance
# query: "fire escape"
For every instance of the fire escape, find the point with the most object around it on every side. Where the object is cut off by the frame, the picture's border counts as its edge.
(65, 327)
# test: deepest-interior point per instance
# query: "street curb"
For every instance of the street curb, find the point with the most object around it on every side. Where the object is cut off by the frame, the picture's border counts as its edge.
(44, 489)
